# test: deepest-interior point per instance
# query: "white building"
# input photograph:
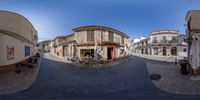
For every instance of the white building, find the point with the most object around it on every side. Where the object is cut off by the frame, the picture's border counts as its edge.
(163, 43)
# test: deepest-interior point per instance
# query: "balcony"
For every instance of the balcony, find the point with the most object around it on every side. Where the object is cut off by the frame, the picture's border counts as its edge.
(164, 41)
(173, 41)
(154, 42)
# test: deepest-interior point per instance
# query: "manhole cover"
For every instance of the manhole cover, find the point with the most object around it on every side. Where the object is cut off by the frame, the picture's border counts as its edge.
(155, 77)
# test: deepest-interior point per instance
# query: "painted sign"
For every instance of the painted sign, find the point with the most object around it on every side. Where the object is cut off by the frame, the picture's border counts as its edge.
(27, 51)
(10, 53)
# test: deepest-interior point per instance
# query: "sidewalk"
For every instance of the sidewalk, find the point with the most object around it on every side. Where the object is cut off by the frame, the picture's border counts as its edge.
(172, 80)
(13, 82)
(159, 58)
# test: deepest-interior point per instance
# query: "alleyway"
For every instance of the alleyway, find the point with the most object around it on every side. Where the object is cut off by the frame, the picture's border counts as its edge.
(128, 80)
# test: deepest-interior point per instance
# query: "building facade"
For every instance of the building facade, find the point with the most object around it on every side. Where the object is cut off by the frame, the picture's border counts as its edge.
(18, 39)
(193, 39)
(63, 46)
(98, 42)
(142, 46)
(163, 43)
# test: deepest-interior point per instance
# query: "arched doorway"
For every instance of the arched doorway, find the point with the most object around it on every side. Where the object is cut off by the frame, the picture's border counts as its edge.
(174, 51)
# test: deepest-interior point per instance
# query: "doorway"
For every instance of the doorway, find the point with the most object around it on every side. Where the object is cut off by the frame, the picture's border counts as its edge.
(164, 51)
(65, 51)
(142, 51)
(155, 51)
(146, 51)
(174, 51)
(110, 53)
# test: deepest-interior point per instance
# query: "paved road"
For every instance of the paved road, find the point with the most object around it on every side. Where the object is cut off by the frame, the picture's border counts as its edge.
(128, 80)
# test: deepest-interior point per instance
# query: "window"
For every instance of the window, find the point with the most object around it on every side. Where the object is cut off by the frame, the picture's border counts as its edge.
(173, 39)
(154, 39)
(184, 40)
(122, 40)
(86, 52)
(90, 35)
(164, 39)
(27, 51)
(184, 50)
(110, 36)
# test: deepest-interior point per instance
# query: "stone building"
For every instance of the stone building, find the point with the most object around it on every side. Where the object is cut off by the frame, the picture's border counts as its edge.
(99, 42)
(163, 43)
(104, 42)
(63, 46)
(44, 46)
(18, 39)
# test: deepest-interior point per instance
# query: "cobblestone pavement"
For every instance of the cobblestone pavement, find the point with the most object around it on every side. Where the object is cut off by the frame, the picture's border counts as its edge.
(171, 78)
(13, 82)
(127, 81)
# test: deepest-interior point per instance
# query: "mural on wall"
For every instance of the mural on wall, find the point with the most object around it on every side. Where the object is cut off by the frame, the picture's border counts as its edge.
(27, 51)
(10, 53)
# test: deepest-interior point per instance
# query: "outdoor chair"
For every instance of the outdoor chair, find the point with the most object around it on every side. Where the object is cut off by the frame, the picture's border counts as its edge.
(87, 62)
(23, 65)
(84, 63)
(72, 60)
(18, 68)
(68, 59)
(96, 62)
(91, 61)
(30, 60)
(30, 65)
(80, 62)
(35, 60)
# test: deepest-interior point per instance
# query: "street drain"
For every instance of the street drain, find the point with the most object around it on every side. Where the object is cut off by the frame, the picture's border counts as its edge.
(155, 77)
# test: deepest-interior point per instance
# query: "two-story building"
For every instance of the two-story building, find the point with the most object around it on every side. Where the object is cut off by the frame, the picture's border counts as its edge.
(193, 39)
(168, 43)
(99, 42)
(143, 46)
(104, 42)
(163, 43)
(18, 39)
(63, 46)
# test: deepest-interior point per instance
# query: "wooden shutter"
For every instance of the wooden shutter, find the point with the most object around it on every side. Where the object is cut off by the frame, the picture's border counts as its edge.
(90, 35)
(110, 36)
(122, 40)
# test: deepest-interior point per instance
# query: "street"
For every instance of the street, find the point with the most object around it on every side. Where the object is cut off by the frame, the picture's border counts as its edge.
(128, 80)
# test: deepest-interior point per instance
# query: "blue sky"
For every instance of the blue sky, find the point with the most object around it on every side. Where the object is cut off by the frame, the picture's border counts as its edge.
(136, 18)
